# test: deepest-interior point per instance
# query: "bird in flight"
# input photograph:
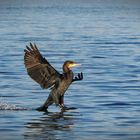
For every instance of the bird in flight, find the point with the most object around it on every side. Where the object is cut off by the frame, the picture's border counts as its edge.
(41, 71)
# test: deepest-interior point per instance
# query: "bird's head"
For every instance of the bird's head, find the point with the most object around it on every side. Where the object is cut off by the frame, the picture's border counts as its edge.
(69, 64)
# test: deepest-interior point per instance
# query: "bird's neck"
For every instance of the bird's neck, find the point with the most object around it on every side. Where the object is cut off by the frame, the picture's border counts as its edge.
(66, 69)
(68, 74)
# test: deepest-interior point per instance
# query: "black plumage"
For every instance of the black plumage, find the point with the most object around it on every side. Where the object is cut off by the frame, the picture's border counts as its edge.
(40, 70)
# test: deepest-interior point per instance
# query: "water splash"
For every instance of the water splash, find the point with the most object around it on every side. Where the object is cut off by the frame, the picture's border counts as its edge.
(6, 106)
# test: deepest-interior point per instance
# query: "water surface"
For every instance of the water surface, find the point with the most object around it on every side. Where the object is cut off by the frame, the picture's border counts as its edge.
(104, 36)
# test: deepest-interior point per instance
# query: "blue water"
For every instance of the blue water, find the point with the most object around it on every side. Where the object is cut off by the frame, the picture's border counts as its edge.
(104, 36)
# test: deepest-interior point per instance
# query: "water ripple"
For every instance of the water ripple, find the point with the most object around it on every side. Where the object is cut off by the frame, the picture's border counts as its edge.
(104, 37)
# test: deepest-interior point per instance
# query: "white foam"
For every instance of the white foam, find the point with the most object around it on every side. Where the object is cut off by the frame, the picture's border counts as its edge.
(6, 106)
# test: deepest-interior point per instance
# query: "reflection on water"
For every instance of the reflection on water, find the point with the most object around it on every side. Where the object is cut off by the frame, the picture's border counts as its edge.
(49, 126)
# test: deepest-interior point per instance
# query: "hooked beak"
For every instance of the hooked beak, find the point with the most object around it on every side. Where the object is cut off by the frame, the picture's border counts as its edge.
(74, 65)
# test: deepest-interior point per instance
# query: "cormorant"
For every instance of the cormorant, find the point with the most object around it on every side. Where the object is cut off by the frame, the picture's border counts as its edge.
(40, 70)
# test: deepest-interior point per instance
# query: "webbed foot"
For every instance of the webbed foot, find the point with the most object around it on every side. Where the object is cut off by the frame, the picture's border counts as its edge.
(63, 108)
(42, 108)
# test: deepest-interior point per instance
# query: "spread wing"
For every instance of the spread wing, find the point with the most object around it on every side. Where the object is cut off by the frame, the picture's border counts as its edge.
(39, 68)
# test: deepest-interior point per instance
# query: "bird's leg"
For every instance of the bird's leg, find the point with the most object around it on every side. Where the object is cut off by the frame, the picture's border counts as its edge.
(47, 103)
(78, 77)
(61, 99)
(61, 103)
